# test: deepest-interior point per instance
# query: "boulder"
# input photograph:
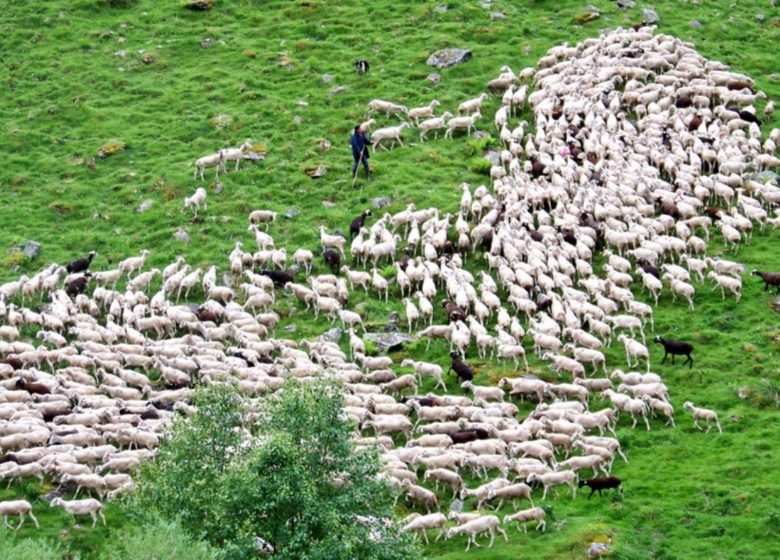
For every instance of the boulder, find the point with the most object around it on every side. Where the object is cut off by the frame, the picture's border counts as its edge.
(182, 235)
(144, 206)
(448, 57)
(332, 335)
(696, 24)
(650, 16)
(434, 78)
(291, 213)
(327, 78)
(388, 341)
(31, 249)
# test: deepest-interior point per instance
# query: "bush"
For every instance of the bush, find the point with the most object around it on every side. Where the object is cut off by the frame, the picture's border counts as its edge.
(160, 540)
(290, 477)
(29, 549)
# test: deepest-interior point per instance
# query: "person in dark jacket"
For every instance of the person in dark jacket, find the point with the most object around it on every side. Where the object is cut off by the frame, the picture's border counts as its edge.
(360, 143)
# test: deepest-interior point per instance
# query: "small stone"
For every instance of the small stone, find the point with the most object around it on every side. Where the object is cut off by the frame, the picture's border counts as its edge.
(587, 16)
(527, 50)
(327, 78)
(227, 279)
(291, 213)
(218, 188)
(297, 119)
(302, 103)
(696, 24)
(31, 249)
(290, 328)
(324, 145)
(456, 505)
(254, 157)
(221, 121)
(120, 54)
(332, 335)
(434, 78)
(208, 42)
(380, 202)
(393, 317)
(182, 235)
(625, 4)
(760, 17)
(494, 16)
(650, 16)
(442, 9)
(318, 172)
(336, 90)
(328, 204)
(597, 550)
(224, 219)
(294, 269)
(480, 134)
(448, 57)
(144, 206)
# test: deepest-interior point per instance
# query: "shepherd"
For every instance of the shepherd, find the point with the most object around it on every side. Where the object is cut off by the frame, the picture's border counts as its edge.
(360, 143)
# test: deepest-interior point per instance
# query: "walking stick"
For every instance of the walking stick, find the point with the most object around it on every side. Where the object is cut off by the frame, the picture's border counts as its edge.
(357, 167)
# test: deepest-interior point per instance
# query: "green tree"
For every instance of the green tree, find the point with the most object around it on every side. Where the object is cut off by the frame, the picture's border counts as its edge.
(286, 473)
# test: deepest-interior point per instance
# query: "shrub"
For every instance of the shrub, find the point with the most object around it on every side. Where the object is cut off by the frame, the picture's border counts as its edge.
(158, 540)
(29, 549)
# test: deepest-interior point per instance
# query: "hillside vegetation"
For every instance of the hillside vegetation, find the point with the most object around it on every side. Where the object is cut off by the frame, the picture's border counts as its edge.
(161, 85)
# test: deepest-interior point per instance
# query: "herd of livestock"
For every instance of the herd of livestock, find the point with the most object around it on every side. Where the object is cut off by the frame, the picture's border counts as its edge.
(641, 147)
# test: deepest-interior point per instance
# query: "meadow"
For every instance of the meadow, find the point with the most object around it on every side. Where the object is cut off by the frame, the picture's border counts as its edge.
(164, 85)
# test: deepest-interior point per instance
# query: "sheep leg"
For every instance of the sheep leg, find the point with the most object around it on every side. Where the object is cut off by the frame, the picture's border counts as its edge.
(500, 530)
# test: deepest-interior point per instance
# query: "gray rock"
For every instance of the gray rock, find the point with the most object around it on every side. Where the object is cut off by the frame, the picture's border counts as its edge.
(328, 204)
(182, 235)
(319, 172)
(696, 24)
(290, 328)
(31, 249)
(650, 16)
(388, 341)
(297, 119)
(766, 176)
(760, 17)
(208, 42)
(448, 57)
(456, 505)
(380, 202)
(434, 78)
(481, 134)
(440, 9)
(254, 157)
(493, 157)
(291, 213)
(227, 279)
(527, 50)
(336, 90)
(597, 550)
(294, 269)
(144, 206)
(224, 219)
(625, 4)
(494, 16)
(327, 78)
(394, 318)
(332, 335)
(218, 188)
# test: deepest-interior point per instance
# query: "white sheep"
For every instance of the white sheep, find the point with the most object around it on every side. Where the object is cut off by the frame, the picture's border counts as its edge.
(17, 507)
(386, 107)
(235, 154)
(526, 515)
(435, 124)
(702, 414)
(483, 524)
(90, 507)
(389, 133)
(213, 160)
(423, 112)
(461, 122)
(421, 523)
(472, 105)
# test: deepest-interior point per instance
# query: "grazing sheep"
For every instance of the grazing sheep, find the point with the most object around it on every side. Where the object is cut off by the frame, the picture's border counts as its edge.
(423, 112)
(602, 483)
(213, 160)
(435, 124)
(90, 507)
(702, 414)
(769, 278)
(483, 524)
(17, 507)
(524, 516)
(456, 123)
(389, 133)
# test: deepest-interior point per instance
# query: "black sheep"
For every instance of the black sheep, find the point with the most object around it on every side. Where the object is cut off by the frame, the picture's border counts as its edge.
(424, 401)
(668, 208)
(471, 434)
(452, 310)
(279, 277)
(357, 223)
(747, 116)
(675, 348)
(769, 278)
(77, 286)
(649, 268)
(333, 259)
(33, 388)
(80, 265)
(603, 483)
(461, 368)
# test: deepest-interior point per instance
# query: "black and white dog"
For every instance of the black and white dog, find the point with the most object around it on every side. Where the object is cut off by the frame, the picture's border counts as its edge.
(361, 66)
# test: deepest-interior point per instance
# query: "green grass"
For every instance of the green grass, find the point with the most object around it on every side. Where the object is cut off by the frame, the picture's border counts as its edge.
(66, 94)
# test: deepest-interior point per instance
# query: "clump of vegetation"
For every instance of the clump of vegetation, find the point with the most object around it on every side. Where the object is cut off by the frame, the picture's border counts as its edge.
(289, 476)
(110, 148)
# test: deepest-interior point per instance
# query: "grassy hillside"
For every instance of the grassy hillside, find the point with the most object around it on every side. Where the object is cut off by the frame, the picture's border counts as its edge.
(83, 74)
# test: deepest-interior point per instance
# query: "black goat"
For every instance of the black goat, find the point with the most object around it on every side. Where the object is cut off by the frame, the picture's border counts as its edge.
(77, 286)
(453, 311)
(357, 223)
(649, 268)
(769, 278)
(675, 348)
(333, 259)
(80, 265)
(461, 368)
(603, 483)
(471, 434)
(279, 277)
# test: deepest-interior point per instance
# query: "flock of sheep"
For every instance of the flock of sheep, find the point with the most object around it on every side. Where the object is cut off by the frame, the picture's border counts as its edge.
(82, 407)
